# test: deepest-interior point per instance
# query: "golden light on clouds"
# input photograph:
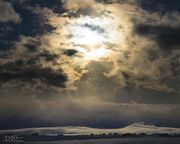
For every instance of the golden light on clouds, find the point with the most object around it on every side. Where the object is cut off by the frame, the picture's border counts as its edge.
(86, 34)
(97, 37)
(90, 32)
(89, 36)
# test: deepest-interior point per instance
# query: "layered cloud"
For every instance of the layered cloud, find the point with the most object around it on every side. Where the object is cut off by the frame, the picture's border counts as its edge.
(48, 110)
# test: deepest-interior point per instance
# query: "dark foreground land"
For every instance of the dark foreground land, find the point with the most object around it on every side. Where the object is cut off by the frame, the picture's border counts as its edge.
(144, 140)
(130, 140)
(92, 139)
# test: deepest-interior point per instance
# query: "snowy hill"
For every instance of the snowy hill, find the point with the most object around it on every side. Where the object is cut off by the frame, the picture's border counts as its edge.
(136, 128)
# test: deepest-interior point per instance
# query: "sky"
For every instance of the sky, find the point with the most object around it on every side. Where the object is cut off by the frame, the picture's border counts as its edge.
(95, 63)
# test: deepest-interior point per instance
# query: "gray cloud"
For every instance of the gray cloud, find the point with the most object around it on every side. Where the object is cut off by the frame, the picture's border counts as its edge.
(21, 71)
(25, 65)
(7, 13)
(85, 111)
(33, 74)
(168, 38)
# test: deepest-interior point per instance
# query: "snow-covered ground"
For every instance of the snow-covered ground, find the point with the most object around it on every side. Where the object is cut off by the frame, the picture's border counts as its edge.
(135, 128)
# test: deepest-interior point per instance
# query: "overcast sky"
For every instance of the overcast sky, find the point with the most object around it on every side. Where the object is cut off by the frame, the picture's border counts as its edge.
(96, 63)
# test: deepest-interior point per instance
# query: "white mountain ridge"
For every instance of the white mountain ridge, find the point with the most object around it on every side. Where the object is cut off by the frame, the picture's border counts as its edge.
(136, 128)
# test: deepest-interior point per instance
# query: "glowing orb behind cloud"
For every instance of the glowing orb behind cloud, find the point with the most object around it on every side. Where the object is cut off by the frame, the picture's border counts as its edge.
(89, 36)
(85, 36)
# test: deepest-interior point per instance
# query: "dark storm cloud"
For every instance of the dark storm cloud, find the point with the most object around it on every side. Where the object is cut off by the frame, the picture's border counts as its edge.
(8, 36)
(28, 69)
(20, 71)
(162, 6)
(9, 19)
(25, 22)
(47, 56)
(32, 24)
(167, 37)
(167, 32)
(32, 46)
(70, 52)
(55, 5)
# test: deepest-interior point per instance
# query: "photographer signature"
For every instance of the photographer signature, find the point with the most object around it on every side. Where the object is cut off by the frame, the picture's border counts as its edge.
(12, 139)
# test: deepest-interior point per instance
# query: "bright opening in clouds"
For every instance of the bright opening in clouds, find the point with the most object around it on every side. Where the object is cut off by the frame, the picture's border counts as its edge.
(90, 36)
